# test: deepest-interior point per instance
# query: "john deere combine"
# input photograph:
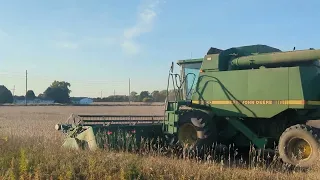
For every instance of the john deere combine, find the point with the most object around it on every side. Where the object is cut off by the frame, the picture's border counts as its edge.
(243, 95)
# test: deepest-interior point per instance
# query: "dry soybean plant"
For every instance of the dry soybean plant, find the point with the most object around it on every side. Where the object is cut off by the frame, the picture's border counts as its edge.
(31, 149)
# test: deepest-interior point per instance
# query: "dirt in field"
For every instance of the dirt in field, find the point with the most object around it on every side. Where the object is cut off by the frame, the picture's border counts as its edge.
(40, 120)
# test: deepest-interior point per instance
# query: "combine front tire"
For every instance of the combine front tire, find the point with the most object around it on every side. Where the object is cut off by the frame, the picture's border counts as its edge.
(299, 145)
(196, 130)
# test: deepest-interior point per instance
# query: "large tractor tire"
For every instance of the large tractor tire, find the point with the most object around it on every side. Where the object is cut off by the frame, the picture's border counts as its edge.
(196, 130)
(299, 145)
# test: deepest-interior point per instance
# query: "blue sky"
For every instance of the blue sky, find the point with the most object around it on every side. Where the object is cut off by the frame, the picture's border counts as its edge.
(97, 45)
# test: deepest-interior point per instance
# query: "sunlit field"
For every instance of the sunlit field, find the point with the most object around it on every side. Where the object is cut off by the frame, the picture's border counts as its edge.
(30, 148)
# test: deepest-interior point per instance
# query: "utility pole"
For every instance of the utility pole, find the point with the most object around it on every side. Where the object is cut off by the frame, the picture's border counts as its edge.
(14, 88)
(114, 95)
(101, 94)
(129, 92)
(26, 86)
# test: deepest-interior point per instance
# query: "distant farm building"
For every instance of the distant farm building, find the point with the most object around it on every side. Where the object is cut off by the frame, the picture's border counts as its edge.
(81, 100)
(34, 101)
(86, 101)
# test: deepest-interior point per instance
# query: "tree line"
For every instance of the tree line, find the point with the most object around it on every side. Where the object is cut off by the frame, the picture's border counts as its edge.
(143, 96)
(59, 92)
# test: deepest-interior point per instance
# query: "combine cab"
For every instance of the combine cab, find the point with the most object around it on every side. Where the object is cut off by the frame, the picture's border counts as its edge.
(243, 95)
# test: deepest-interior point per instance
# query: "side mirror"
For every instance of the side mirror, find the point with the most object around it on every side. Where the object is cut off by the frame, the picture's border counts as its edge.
(171, 68)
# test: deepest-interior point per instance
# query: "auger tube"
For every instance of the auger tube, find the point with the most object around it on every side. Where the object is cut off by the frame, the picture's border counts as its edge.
(276, 59)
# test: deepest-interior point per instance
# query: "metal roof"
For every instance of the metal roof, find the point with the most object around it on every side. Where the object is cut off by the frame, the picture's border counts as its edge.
(189, 61)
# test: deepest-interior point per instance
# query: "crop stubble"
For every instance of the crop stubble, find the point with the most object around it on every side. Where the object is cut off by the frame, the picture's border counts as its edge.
(34, 121)
(40, 120)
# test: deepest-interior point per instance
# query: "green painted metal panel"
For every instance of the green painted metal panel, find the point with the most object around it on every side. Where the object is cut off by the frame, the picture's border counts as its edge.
(267, 85)
(310, 79)
(210, 62)
(170, 124)
(304, 85)
(295, 84)
(255, 89)
(236, 83)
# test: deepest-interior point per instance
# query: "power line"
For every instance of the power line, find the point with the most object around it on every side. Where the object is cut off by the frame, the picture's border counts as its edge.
(129, 92)
(85, 85)
(51, 79)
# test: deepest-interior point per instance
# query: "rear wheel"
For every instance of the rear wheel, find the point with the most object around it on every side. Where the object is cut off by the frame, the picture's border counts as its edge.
(299, 145)
(196, 130)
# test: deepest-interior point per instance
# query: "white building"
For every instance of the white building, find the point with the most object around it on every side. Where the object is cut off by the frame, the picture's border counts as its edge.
(86, 101)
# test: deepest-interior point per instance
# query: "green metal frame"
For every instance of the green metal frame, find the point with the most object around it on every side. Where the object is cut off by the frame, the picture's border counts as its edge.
(172, 113)
(216, 65)
(253, 137)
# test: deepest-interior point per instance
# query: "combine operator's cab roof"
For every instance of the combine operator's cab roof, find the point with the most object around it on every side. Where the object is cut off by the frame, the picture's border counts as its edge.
(212, 50)
(189, 61)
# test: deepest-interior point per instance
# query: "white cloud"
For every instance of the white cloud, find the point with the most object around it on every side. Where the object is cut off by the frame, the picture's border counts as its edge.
(130, 47)
(127, 40)
(144, 24)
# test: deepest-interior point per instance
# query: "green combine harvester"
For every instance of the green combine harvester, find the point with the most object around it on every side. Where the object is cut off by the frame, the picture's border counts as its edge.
(250, 95)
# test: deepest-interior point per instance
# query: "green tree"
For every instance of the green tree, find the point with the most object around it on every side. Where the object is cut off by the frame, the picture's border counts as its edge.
(5, 95)
(147, 99)
(61, 84)
(41, 95)
(163, 95)
(59, 92)
(155, 95)
(133, 96)
(159, 96)
(30, 95)
(143, 94)
(172, 95)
